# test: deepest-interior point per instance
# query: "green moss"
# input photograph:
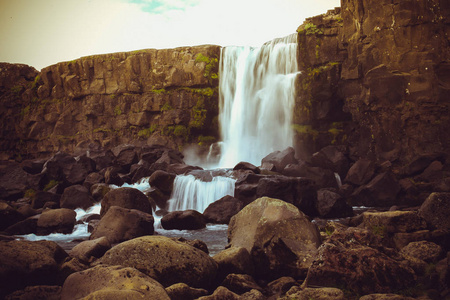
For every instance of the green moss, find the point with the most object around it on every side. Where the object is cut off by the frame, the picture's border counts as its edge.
(206, 140)
(25, 111)
(166, 107)
(379, 230)
(117, 110)
(30, 193)
(305, 129)
(198, 115)
(158, 91)
(50, 185)
(180, 131)
(36, 81)
(211, 67)
(146, 133)
(208, 92)
(310, 29)
(16, 89)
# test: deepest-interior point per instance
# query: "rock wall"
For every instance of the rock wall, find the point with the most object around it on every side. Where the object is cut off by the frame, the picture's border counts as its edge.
(167, 97)
(376, 77)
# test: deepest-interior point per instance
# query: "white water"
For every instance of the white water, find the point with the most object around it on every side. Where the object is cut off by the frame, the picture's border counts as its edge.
(256, 100)
(192, 193)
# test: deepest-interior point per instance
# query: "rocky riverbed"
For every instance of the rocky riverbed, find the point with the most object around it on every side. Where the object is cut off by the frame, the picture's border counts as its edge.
(292, 231)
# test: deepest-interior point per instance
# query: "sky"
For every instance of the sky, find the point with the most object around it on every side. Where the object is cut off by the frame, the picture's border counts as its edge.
(44, 32)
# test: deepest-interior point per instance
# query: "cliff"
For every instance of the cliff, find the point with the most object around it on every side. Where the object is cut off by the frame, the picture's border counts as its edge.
(376, 78)
(167, 97)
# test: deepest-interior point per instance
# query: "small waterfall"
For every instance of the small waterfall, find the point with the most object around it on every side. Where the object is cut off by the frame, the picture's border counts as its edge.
(190, 192)
(256, 100)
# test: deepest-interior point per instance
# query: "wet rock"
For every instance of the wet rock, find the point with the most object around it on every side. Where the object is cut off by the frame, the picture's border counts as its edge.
(325, 293)
(278, 160)
(181, 291)
(350, 260)
(126, 198)
(99, 190)
(247, 166)
(240, 283)
(93, 248)
(280, 238)
(27, 226)
(419, 164)
(332, 158)
(120, 224)
(112, 176)
(181, 220)
(361, 172)
(234, 260)
(221, 211)
(60, 220)
(164, 260)
(92, 179)
(76, 196)
(435, 210)
(125, 156)
(181, 169)
(33, 166)
(162, 180)
(25, 263)
(37, 292)
(14, 181)
(65, 168)
(323, 178)
(115, 282)
(380, 191)
(332, 205)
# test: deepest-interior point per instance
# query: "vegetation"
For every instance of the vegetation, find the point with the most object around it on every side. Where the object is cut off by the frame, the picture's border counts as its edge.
(166, 107)
(211, 67)
(50, 185)
(146, 133)
(310, 29)
(117, 110)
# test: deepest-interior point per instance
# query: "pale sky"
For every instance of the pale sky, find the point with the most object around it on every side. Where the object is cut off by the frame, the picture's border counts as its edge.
(43, 32)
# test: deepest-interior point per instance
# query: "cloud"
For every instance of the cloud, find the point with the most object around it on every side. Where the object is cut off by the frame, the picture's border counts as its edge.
(162, 6)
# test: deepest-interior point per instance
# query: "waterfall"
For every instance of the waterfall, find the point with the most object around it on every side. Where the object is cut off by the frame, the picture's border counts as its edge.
(256, 100)
(190, 192)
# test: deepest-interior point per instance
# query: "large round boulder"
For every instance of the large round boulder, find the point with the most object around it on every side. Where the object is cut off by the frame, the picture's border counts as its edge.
(112, 282)
(234, 260)
(76, 196)
(280, 238)
(25, 263)
(61, 220)
(162, 180)
(221, 211)
(436, 209)
(121, 224)
(165, 260)
(181, 220)
(278, 160)
(127, 198)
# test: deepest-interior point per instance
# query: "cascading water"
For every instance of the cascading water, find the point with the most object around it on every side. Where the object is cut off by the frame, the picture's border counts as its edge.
(256, 100)
(192, 193)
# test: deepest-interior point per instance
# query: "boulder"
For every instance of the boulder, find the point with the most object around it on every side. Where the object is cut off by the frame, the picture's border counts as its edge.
(433, 172)
(419, 164)
(181, 291)
(125, 156)
(279, 237)
(221, 293)
(381, 191)
(277, 288)
(61, 220)
(325, 293)
(436, 209)
(112, 282)
(234, 260)
(37, 292)
(332, 205)
(331, 158)
(92, 179)
(41, 197)
(423, 250)
(121, 224)
(349, 260)
(159, 198)
(14, 181)
(240, 283)
(221, 211)
(385, 297)
(247, 167)
(361, 172)
(181, 220)
(245, 187)
(85, 250)
(76, 196)
(162, 180)
(112, 176)
(278, 160)
(300, 192)
(25, 263)
(64, 168)
(393, 221)
(8, 216)
(99, 190)
(126, 198)
(181, 168)
(165, 260)
(323, 178)
(33, 166)
(27, 226)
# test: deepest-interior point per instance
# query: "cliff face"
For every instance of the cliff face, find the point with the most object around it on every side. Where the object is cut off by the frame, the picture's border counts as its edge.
(165, 96)
(376, 77)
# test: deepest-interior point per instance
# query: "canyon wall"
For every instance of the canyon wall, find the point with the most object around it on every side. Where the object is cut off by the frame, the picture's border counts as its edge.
(167, 97)
(376, 78)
